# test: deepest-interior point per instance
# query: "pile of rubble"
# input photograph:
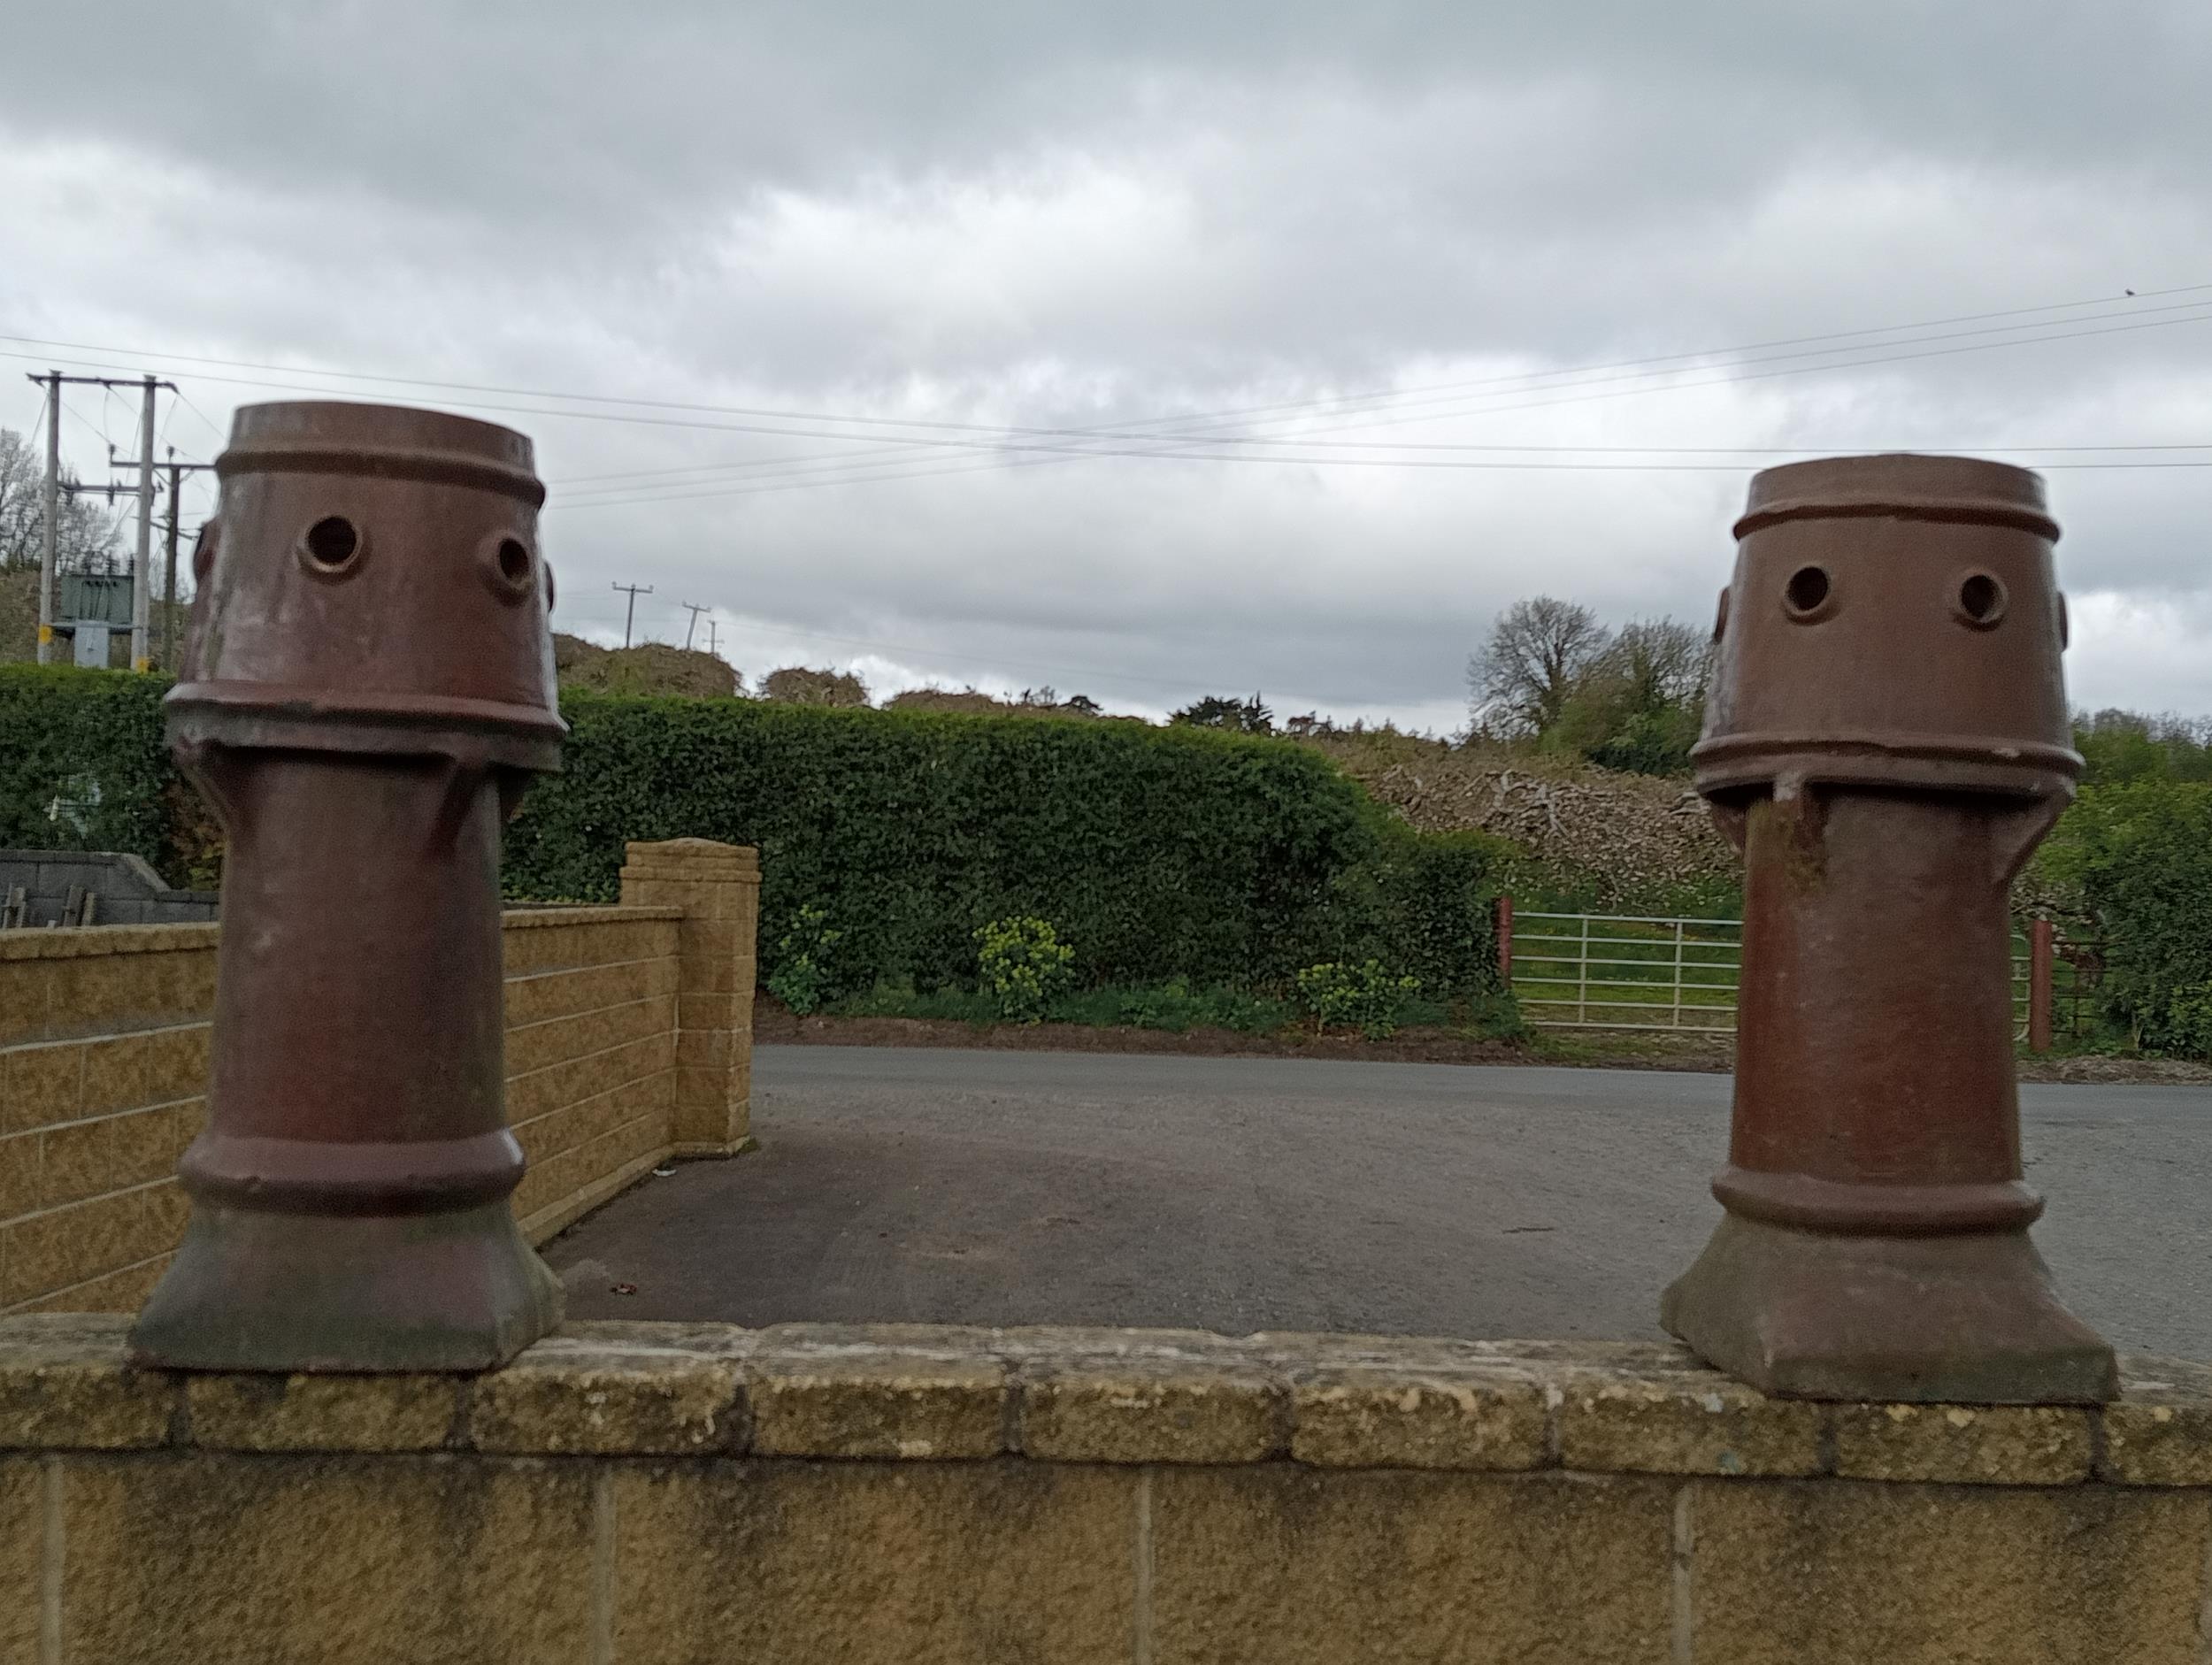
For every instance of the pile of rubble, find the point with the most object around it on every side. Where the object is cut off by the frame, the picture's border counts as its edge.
(651, 667)
(1634, 834)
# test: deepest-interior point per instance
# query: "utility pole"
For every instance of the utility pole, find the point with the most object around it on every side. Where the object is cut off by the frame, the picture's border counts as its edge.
(714, 642)
(53, 516)
(177, 472)
(47, 555)
(142, 575)
(630, 617)
(693, 628)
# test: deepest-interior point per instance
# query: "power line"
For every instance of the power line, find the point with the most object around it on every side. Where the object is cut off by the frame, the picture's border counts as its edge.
(1576, 394)
(895, 443)
(895, 473)
(836, 474)
(1408, 399)
(849, 473)
(221, 439)
(1387, 395)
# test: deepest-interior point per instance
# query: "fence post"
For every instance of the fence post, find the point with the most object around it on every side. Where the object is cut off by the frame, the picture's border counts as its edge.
(1505, 940)
(2039, 986)
(1582, 972)
(1678, 974)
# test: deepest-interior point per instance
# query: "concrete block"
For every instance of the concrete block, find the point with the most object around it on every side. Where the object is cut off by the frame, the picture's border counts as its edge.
(40, 1085)
(123, 1290)
(1106, 1413)
(870, 1402)
(874, 1564)
(1362, 1416)
(718, 1013)
(586, 1393)
(1841, 1573)
(85, 1159)
(104, 993)
(1989, 1444)
(705, 1111)
(64, 1386)
(48, 1251)
(1654, 1416)
(20, 1181)
(22, 1557)
(26, 1000)
(707, 973)
(322, 1413)
(705, 1049)
(2160, 1433)
(337, 1560)
(1279, 1565)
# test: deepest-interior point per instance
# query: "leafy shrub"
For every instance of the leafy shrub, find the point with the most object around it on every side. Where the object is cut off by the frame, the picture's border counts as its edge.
(2189, 1021)
(801, 977)
(1362, 996)
(1024, 964)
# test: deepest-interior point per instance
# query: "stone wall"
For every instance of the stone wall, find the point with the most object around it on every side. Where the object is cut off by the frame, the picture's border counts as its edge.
(646, 1493)
(103, 1062)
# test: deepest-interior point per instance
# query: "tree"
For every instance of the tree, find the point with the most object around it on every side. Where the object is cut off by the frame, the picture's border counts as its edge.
(1239, 716)
(84, 534)
(1640, 704)
(799, 685)
(2120, 745)
(1537, 655)
(22, 506)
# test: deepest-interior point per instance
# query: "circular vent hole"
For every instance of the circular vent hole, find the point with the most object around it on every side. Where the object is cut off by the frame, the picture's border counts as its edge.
(1808, 589)
(1981, 599)
(514, 561)
(332, 541)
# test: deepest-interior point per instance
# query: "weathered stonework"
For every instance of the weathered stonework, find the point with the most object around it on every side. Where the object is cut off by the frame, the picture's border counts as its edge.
(718, 887)
(646, 1492)
(1115, 1412)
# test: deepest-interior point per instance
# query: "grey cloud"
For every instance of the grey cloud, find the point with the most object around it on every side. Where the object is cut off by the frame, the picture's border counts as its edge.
(1063, 216)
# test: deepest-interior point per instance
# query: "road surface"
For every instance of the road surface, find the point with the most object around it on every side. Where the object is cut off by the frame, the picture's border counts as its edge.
(1237, 1195)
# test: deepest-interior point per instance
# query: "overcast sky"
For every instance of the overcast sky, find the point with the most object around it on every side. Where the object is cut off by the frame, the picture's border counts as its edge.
(1039, 219)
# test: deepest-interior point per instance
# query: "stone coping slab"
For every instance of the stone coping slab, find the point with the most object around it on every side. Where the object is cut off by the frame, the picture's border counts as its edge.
(537, 916)
(87, 941)
(925, 1392)
(83, 941)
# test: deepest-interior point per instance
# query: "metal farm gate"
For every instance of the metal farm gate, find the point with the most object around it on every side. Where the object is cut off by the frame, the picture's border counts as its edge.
(1585, 971)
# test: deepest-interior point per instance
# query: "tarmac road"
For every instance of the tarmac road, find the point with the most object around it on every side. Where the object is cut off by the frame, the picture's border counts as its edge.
(1237, 1195)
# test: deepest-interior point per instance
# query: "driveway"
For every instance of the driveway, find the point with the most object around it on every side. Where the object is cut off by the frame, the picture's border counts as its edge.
(1237, 1195)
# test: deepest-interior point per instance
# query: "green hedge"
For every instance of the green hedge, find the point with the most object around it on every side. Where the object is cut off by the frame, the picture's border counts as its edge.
(1157, 853)
(91, 740)
(2137, 858)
